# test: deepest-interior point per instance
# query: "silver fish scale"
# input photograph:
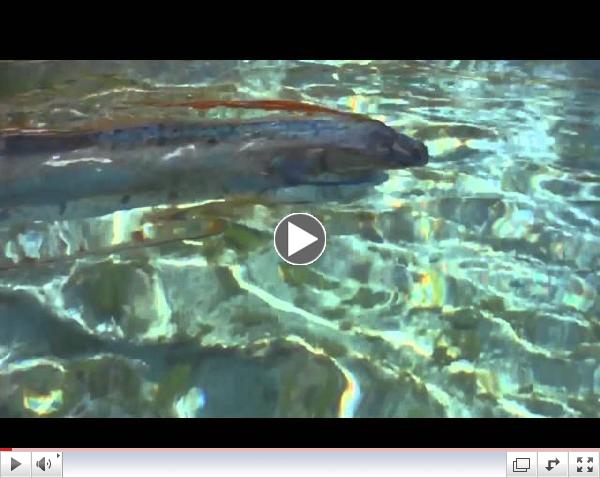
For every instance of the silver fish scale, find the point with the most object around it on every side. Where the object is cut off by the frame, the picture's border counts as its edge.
(177, 132)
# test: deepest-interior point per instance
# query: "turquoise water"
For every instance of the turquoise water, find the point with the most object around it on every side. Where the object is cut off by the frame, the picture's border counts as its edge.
(465, 288)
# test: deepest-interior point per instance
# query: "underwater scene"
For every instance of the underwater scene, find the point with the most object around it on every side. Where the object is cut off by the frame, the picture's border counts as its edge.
(139, 200)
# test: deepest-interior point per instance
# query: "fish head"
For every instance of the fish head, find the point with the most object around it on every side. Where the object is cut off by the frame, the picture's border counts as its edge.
(334, 153)
(374, 147)
(407, 152)
(392, 150)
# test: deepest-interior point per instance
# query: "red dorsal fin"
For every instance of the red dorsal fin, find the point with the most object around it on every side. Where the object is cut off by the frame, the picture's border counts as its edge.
(278, 105)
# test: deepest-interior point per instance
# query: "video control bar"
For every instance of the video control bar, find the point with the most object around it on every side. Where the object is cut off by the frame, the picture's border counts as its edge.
(298, 463)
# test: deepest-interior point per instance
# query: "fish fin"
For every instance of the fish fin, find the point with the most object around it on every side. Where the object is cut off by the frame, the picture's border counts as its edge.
(276, 105)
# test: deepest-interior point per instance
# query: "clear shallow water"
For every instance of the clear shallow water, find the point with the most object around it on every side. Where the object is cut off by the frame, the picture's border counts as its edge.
(465, 288)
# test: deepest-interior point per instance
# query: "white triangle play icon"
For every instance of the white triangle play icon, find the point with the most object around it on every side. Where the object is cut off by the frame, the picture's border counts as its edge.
(298, 239)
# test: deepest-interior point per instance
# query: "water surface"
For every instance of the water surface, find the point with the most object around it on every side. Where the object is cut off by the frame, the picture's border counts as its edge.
(466, 288)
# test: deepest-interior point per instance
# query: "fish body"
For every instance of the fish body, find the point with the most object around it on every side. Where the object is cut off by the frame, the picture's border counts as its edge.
(65, 175)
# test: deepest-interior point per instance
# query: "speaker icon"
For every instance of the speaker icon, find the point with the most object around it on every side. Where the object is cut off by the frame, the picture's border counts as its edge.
(43, 463)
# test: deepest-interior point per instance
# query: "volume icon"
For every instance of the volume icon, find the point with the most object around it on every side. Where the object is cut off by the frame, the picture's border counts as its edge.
(43, 463)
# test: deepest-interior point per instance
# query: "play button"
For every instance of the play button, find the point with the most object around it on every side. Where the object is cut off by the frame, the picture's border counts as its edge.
(300, 239)
(15, 464)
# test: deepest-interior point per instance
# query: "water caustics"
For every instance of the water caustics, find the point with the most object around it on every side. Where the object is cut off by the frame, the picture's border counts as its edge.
(463, 285)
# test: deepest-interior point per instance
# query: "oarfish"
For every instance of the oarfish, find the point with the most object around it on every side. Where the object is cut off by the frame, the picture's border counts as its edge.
(74, 174)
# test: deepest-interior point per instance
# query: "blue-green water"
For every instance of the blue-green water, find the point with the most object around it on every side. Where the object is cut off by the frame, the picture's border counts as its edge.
(465, 288)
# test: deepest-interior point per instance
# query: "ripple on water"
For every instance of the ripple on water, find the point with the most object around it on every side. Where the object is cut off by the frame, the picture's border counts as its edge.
(468, 287)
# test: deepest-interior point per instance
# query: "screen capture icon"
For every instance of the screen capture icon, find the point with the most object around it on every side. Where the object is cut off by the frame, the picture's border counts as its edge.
(521, 464)
(300, 239)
